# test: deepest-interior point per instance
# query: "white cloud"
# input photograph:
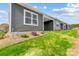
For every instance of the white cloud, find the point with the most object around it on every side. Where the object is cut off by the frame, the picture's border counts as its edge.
(45, 7)
(70, 10)
(65, 10)
(35, 7)
(73, 5)
(3, 15)
(3, 12)
(0, 17)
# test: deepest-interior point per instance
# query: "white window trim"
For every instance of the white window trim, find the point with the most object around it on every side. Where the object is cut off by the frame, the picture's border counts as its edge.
(31, 18)
(36, 19)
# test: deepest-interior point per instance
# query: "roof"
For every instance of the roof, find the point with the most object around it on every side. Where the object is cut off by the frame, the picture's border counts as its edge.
(50, 17)
(26, 5)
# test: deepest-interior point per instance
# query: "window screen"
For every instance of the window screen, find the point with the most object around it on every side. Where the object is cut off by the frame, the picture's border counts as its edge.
(30, 18)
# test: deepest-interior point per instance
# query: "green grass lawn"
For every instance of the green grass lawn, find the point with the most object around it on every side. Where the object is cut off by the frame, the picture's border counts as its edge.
(49, 44)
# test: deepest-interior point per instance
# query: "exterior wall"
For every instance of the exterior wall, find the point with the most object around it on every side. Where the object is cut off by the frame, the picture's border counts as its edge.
(17, 20)
(48, 23)
(64, 26)
(61, 25)
(68, 26)
(57, 25)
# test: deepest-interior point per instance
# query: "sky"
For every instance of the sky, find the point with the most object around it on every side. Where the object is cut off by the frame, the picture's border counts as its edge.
(66, 12)
(4, 8)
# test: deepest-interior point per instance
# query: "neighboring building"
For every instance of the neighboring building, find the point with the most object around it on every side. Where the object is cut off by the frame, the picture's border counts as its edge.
(57, 24)
(25, 18)
(4, 27)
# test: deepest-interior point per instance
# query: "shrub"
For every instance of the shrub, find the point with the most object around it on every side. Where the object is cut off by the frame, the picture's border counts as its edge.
(2, 35)
(24, 36)
(35, 34)
(42, 32)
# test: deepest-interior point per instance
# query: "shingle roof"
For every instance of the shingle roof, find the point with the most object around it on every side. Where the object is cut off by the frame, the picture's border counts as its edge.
(26, 5)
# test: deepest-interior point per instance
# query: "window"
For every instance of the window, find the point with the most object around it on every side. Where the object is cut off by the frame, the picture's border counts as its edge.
(30, 18)
(27, 17)
(34, 19)
(57, 25)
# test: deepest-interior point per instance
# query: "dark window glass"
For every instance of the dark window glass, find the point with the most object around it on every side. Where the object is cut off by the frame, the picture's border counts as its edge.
(34, 16)
(57, 25)
(28, 20)
(28, 14)
(34, 21)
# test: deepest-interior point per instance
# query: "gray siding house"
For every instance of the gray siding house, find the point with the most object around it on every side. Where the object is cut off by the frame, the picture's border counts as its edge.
(25, 18)
(52, 24)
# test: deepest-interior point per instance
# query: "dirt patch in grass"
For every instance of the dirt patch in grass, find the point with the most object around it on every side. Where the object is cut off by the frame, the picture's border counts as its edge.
(74, 50)
(10, 39)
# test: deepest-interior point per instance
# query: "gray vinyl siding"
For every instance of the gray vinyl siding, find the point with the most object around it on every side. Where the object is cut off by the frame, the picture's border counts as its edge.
(52, 26)
(64, 26)
(68, 27)
(57, 25)
(17, 20)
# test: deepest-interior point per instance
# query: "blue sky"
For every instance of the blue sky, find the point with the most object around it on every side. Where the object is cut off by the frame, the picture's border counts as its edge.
(67, 12)
(4, 13)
